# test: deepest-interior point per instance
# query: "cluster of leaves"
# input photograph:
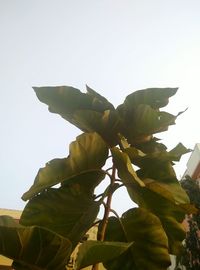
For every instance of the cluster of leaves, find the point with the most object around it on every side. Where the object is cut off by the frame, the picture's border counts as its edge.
(190, 257)
(55, 219)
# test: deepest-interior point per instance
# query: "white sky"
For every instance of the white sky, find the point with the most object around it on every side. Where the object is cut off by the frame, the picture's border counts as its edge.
(116, 47)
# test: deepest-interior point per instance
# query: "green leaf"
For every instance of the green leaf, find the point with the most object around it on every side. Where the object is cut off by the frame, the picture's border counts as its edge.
(155, 97)
(150, 239)
(150, 244)
(143, 121)
(102, 102)
(33, 247)
(87, 154)
(64, 211)
(140, 115)
(170, 189)
(64, 100)
(107, 124)
(177, 152)
(157, 166)
(152, 146)
(126, 171)
(88, 111)
(92, 252)
(150, 121)
(160, 201)
(115, 232)
(156, 156)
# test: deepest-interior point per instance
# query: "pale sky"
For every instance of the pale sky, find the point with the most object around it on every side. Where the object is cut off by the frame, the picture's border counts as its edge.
(116, 47)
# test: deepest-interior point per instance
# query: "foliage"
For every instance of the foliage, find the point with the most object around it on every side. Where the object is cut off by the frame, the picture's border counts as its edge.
(191, 253)
(56, 218)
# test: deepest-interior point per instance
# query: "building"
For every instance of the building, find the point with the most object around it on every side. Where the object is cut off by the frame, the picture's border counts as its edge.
(193, 164)
(193, 171)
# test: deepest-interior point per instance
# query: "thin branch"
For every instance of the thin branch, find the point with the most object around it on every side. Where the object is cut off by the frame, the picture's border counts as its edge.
(107, 208)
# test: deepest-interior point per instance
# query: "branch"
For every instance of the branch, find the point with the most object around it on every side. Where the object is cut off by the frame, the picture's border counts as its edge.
(107, 206)
(107, 209)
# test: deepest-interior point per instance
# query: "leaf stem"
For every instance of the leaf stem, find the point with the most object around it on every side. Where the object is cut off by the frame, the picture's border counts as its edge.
(107, 208)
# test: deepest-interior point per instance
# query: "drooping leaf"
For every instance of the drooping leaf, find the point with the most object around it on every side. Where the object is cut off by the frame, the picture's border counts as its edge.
(64, 210)
(92, 252)
(64, 100)
(87, 154)
(150, 239)
(88, 111)
(150, 245)
(33, 247)
(126, 171)
(158, 167)
(160, 201)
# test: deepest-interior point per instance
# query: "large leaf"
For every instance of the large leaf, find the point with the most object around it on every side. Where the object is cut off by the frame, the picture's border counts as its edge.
(155, 97)
(33, 247)
(143, 121)
(150, 245)
(87, 154)
(156, 156)
(124, 167)
(140, 115)
(150, 121)
(65, 211)
(107, 124)
(177, 152)
(115, 232)
(126, 171)
(158, 166)
(160, 201)
(65, 100)
(150, 239)
(101, 101)
(92, 252)
(88, 111)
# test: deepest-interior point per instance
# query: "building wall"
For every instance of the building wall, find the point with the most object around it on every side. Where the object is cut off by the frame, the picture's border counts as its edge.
(5, 263)
(193, 164)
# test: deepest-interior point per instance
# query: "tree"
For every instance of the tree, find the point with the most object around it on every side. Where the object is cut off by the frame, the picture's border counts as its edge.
(55, 219)
(191, 253)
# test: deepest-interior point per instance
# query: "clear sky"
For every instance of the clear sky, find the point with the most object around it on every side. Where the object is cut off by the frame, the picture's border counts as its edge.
(114, 46)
